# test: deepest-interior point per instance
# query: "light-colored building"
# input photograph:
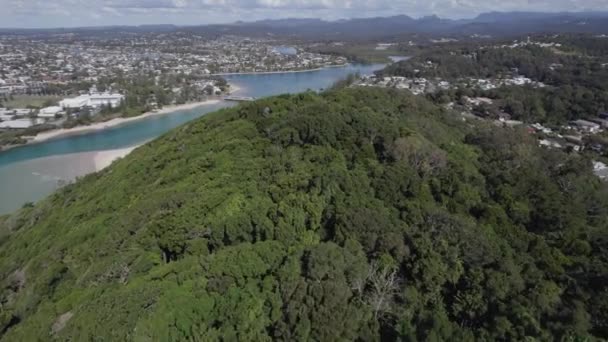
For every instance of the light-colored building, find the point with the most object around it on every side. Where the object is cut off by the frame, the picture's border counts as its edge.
(21, 111)
(550, 143)
(20, 123)
(95, 100)
(587, 126)
(540, 128)
(75, 103)
(601, 170)
(50, 112)
(113, 100)
(602, 122)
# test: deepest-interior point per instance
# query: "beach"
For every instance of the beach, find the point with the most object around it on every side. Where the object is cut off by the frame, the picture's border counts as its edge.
(103, 159)
(30, 180)
(44, 136)
(234, 89)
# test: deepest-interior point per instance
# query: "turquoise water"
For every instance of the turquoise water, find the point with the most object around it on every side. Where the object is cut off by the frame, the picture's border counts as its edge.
(260, 85)
(256, 85)
(129, 134)
(23, 172)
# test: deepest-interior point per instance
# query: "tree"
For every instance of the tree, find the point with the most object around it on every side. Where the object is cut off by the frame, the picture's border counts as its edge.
(383, 284)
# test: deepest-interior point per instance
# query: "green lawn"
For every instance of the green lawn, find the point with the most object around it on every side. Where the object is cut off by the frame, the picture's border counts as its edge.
(23, 101)
(361, 52)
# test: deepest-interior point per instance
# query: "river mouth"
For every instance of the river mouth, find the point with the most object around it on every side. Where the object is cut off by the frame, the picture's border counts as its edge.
(32, 172)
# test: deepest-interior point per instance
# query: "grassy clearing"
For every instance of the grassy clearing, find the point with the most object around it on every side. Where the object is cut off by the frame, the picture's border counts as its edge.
(24, 101)
(360, 52)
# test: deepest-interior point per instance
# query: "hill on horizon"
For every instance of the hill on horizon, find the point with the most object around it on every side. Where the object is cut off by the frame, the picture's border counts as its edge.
(498, 24)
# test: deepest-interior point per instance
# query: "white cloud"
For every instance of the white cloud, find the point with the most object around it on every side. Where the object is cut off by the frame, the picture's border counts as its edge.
(33, 13)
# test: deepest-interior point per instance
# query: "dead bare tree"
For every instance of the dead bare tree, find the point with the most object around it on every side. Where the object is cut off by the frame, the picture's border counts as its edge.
(383, 286)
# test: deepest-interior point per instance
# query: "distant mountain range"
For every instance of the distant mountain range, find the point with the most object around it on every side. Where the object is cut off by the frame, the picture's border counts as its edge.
(494, 23)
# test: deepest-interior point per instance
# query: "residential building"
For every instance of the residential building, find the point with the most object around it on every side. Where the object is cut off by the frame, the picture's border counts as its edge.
(75, 103)
(50, 112)
(601, 170)
(95, 100)
(602, 122)
(20, 123)
(586, 126)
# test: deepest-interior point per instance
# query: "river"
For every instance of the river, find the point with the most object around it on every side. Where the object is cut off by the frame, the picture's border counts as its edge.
(30, 173)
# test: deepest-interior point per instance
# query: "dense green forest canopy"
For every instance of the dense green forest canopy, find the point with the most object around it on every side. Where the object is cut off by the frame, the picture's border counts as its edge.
(575, 71)
(356, 214)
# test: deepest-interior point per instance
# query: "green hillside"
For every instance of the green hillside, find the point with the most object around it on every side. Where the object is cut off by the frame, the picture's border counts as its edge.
(358, 214)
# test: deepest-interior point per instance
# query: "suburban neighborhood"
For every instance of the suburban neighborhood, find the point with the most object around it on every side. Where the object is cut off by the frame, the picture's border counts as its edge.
(63, 80)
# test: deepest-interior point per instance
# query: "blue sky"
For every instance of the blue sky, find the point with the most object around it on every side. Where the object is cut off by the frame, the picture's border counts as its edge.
(69, 13)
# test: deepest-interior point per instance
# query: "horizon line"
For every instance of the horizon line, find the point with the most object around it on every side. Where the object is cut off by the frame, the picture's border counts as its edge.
(586, 11)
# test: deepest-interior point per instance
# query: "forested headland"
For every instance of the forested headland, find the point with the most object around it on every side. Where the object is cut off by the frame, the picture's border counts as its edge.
(355, 214)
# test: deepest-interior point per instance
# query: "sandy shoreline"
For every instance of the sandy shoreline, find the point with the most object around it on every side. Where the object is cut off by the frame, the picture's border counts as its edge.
(234, 89)
(64, 132)
(44, 136)
(33, 179)
(103, 159)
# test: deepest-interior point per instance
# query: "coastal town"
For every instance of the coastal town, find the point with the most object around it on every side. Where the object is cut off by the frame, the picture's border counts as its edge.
(584, 134)
(422, 85)
(575, 131)
(62, 81)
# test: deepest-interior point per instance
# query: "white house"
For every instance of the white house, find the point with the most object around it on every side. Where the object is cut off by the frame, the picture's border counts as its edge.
(98, 100)
(75, 103)
(540, 128)
(21, 111)
(50, 112)
(587, 126)
(550, 143)
(600, 169)
(20, 123)
(93, 100)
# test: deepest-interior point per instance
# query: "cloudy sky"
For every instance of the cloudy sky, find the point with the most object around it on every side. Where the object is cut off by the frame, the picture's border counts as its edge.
(69, 13)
